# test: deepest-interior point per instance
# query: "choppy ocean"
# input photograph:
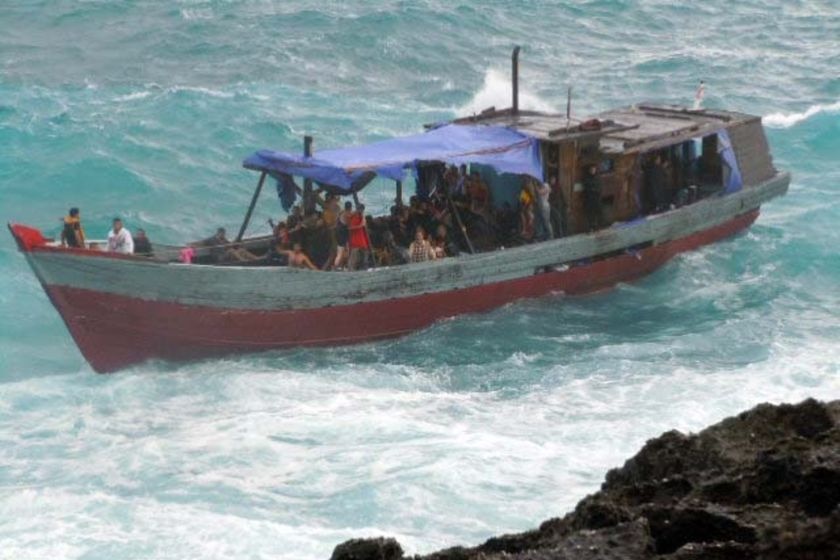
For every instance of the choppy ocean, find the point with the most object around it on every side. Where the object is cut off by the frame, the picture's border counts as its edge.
(479, 425)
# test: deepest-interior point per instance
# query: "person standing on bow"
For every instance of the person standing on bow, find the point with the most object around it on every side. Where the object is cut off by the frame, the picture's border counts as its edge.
(72, 234)
(119, 239)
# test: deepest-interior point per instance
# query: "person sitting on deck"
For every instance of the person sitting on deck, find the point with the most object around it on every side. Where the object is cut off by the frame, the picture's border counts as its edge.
(420, 216)
(142, 245)
(236, 253)
(72, 233)
(299, 259)
(359, 241)
(119, 239)
(389, 253)
(420, 249)
(223, 251)
(280, 245)
(216, 244)
(444, 247)
(592, 198)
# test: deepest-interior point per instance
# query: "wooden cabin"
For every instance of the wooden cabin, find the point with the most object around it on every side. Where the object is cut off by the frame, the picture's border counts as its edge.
(620, 142)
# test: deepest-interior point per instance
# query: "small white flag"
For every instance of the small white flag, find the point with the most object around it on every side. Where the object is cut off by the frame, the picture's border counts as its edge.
(698, 97)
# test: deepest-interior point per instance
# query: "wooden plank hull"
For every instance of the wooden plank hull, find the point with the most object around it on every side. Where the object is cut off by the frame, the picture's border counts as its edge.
(122, 310)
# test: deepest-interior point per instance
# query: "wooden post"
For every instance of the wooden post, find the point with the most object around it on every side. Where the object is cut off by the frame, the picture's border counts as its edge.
(308, 203)
(399, 194)
(251, 207)
(460, 222)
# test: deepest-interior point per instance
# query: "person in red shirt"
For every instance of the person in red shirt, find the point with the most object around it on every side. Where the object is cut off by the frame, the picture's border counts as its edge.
(359, 241)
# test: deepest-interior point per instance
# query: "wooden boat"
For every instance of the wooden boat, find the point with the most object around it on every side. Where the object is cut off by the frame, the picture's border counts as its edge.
(125, 309)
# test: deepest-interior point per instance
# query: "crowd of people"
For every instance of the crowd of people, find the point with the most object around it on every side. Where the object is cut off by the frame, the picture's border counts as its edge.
(454, 214)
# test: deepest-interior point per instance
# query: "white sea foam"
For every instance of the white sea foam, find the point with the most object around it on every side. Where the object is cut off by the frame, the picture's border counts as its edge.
(787, 120)
(495, 92)
(300, 458)
(202, 90)
(191, 14)
(133, 96)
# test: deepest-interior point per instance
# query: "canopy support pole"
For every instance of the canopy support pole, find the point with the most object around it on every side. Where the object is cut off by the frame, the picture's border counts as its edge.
(460, 222)
(251, 207)
(399, 194)
(308, 204)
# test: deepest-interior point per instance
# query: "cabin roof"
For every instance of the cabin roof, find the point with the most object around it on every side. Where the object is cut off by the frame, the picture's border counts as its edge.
(636, 128)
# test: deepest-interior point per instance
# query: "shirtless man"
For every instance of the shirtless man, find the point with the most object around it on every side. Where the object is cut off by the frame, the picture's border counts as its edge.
(298, 259)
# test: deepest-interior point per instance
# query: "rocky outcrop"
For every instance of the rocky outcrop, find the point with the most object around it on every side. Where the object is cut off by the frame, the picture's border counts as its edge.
(764, 484)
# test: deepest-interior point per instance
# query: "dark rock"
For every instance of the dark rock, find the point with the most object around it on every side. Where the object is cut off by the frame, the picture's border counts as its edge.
(593, 512)
(714, 551)
(671, 528)
(368, 549)
(819, 491)
(661, 458)
(625, 541)
(721, 490)
(764, 484)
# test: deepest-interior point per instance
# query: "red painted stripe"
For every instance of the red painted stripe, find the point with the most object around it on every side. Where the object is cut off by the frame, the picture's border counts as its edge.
(114, 331)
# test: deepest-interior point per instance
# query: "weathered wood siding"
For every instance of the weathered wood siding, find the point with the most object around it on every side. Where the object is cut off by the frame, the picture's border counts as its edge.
(752, 152)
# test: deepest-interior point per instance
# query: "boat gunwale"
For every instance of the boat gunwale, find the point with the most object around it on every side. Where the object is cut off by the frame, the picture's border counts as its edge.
(609, 231)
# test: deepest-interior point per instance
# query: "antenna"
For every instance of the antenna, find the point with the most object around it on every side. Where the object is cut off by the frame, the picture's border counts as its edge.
(568, 106)
(515, 79)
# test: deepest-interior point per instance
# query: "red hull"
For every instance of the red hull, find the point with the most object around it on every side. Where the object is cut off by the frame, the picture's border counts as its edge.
(115, 331)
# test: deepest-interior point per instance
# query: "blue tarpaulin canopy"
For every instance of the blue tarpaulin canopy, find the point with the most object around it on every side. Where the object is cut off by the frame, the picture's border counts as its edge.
(503, 149)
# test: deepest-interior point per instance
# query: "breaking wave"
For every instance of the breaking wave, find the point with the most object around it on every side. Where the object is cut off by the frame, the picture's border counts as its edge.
(495, 92)
(787, 120)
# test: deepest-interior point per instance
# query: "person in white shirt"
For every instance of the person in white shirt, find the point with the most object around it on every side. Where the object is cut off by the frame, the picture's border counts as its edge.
(543, 192)
(119, 239)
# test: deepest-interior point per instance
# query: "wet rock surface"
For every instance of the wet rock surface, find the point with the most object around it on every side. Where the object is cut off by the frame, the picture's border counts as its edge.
(763, 484)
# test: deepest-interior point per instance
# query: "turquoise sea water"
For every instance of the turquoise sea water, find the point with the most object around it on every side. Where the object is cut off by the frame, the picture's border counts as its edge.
(479, 425)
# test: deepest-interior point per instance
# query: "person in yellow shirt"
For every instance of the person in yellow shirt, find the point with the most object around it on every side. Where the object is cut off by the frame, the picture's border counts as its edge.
(73, 234)
(526, 212)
